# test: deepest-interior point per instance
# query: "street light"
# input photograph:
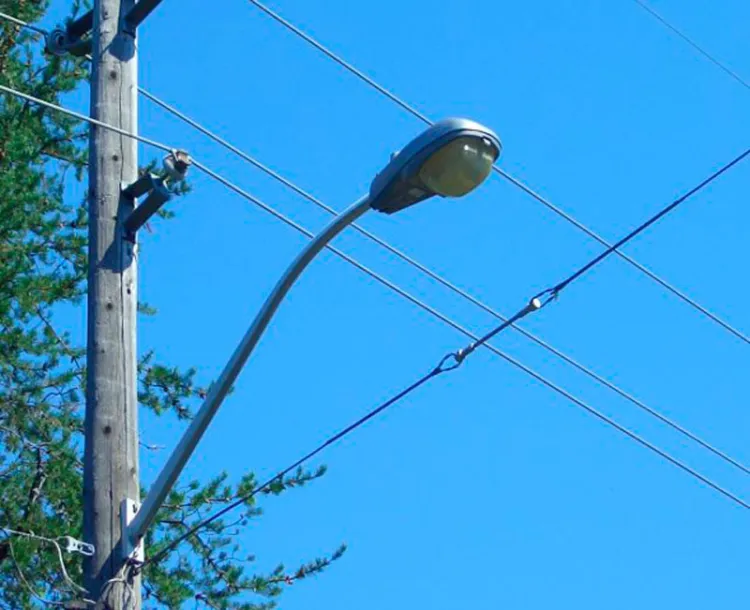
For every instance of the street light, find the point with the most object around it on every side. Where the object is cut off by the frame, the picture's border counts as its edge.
(449, 159)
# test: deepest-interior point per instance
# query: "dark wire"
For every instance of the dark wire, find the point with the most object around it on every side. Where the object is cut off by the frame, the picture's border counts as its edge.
(547, 296)
(444, 366)
(533, 305)
(449, 362)
(595, 261)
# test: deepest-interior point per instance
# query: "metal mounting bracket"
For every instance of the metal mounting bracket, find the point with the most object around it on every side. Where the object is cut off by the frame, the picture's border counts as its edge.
(176, 165)
(60, 43)
(139, 12)
(158, 195)
(130, 551)
(73, 37)
(140, 187)
(71, 545)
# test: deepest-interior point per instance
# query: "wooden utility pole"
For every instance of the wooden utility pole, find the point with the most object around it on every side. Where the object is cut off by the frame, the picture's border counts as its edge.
(111, 452)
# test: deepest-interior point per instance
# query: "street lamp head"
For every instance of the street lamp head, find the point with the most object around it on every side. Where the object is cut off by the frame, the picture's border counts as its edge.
(449, 159)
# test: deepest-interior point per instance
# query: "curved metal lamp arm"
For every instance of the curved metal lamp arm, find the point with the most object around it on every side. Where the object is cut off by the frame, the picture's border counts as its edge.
(218, 391)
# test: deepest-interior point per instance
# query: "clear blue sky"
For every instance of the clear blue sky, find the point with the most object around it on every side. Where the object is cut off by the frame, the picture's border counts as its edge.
(484, 490)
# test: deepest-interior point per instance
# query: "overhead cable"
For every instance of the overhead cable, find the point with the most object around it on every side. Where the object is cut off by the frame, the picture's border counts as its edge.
(551, 294)
(23, 24)
(719, 64)
(83, 117)
(507, 176)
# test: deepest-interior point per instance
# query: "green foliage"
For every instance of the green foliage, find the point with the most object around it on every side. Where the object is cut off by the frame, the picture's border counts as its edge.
(43, 258)
(215, 562)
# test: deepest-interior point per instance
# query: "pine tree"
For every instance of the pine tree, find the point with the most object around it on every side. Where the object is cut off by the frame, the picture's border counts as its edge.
(43, 241)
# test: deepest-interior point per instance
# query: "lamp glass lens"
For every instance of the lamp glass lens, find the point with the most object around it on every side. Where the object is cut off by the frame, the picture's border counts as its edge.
(459, 167)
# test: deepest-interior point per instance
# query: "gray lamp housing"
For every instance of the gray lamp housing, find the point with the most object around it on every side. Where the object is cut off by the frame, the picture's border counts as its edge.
(399, 186)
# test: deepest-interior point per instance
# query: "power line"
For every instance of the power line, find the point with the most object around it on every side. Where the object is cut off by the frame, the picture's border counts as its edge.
(24, 24)
(432, 274)
(83, 117)
(342, 62)
(719, 64)
(477, 341)
(551, 294)
(642, 268)
(510, 178)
